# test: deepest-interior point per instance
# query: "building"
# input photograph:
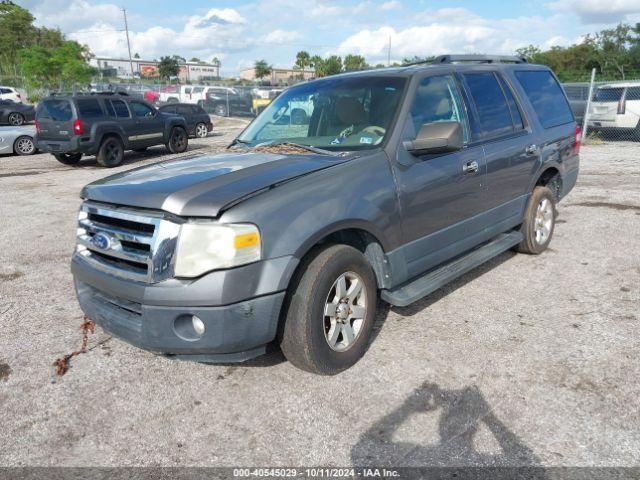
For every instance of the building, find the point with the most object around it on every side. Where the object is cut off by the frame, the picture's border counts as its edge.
(189, 71)
(278, 76)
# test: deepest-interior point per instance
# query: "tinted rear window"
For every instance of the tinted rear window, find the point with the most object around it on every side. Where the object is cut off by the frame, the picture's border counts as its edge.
(546, 96)
(608, 94)
(89, 108)
(518, 123)
(185, 110)
(56, 110)
(494, 116)
(633, 93)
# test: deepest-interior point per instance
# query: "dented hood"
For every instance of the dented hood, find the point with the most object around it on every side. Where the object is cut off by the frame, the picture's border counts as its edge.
(203, 186)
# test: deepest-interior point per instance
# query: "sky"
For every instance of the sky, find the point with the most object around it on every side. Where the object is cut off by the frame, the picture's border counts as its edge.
(239, 32)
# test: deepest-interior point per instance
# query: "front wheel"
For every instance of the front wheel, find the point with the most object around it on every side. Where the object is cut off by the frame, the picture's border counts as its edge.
(178, 140)
(68, 158)
(539, 221)
(329, 314)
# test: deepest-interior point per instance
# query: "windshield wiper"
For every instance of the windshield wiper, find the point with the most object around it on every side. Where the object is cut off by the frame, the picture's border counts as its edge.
(309, 148)
(237, 141)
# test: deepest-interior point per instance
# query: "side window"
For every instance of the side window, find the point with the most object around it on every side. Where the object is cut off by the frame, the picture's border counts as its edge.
(184, 110)
(494, 117)
(120, 108)
(109, 107)
(516, 115)
(633, 93)
(438, 100)
(168, 109)
(89, 109)
(546, 97)
(141, 110)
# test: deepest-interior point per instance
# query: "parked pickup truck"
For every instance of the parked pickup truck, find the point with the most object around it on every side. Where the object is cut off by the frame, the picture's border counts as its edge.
(104, 125)
(398, 181)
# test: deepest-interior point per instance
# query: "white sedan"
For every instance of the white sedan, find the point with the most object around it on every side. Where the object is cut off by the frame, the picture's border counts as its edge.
(18, 140)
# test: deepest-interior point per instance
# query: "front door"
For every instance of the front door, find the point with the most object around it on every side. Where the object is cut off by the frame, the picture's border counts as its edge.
(439, 194)
(148, 127)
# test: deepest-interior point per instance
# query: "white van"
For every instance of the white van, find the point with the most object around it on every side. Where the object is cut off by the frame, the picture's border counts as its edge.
(616, 107)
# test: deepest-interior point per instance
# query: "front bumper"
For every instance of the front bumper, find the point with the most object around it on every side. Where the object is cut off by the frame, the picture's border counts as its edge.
(151, 316)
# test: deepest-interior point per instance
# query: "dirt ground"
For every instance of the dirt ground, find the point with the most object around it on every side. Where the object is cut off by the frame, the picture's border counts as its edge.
(523, 361)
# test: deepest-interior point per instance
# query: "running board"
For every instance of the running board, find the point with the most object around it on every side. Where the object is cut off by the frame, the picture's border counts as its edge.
(432, 281)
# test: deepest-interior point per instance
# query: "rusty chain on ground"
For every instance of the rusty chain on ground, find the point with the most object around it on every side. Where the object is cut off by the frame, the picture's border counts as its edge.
(62, 364)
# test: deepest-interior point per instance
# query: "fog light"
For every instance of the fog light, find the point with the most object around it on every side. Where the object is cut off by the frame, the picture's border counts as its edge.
(198, 325)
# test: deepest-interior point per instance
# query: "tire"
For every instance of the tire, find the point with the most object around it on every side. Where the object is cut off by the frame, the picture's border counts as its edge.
(15, 119)
(316, 342)
(201, 130)
(111, 152)
(539, 222)
(140, 150)
(68, 158)
(178, 140)
(24, 145)
(221, 110)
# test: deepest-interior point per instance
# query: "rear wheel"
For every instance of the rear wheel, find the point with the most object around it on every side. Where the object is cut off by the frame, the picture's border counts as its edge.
(68, 158)
(539, 221)
(178, 140)
(330, 311)
(221, 110)
(201, 130)
(24, 146)
(111, 153)
(16, 119)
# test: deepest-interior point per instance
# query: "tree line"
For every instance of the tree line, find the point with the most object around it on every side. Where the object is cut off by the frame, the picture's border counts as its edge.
(42, 56)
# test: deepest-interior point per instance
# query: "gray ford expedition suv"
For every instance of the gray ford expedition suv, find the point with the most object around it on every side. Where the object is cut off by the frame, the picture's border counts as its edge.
(104, 125)
(385, 183)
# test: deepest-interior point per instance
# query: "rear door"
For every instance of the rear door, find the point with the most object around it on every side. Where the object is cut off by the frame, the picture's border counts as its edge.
(148, 128)
(186, 111)
(55, 119)
(497, 123)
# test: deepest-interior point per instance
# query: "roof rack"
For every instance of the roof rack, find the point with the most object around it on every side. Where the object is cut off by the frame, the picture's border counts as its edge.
(479, 59)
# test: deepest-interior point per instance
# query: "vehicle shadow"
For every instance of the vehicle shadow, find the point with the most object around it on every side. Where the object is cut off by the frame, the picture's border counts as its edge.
(424, 303)
(468, 434)
(131, 157)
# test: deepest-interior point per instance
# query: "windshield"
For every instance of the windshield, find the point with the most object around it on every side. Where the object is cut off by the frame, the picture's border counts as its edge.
(334, 114)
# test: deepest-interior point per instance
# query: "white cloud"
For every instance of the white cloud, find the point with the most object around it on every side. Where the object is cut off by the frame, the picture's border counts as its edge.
(598, 11)
(323, 10)
(279, 37)
(451, 30)
(391, 5)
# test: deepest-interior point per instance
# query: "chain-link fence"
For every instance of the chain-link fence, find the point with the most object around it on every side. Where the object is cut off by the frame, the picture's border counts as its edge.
(607, 110)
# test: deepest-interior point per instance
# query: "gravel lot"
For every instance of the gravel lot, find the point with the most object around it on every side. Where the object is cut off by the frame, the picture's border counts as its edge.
(526, 360)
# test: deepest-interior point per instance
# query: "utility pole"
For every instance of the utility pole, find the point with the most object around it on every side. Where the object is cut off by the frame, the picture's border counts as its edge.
(389, 53)
(126, 29)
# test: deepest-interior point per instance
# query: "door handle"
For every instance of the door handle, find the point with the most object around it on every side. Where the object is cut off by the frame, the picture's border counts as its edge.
(531, 149)
(470, 167)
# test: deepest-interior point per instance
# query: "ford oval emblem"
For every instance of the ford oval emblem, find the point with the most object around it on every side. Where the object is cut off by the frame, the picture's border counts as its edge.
(102, 241)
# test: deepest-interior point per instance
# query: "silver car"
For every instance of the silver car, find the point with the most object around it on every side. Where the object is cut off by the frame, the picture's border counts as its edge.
(18, 140)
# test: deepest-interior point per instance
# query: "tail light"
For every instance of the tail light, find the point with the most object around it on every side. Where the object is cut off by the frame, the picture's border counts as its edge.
(577, 138)
(18, 95)
(77, 127)
(37, 126)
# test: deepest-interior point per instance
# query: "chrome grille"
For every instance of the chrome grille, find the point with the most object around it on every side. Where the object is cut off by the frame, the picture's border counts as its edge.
(127, 243)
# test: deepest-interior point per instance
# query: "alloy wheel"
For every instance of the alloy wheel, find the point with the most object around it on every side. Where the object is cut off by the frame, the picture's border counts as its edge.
(16, 119)
(543, 221)
(201, 130)
(25, 146)
(344, 311)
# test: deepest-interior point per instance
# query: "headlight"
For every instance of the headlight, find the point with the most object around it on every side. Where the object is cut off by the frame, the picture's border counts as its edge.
(203, 247)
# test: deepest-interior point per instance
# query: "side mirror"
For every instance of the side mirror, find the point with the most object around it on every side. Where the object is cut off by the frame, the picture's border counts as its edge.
(438, 137)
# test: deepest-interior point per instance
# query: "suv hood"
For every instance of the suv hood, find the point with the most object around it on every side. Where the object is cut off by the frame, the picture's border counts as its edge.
(203, 186)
